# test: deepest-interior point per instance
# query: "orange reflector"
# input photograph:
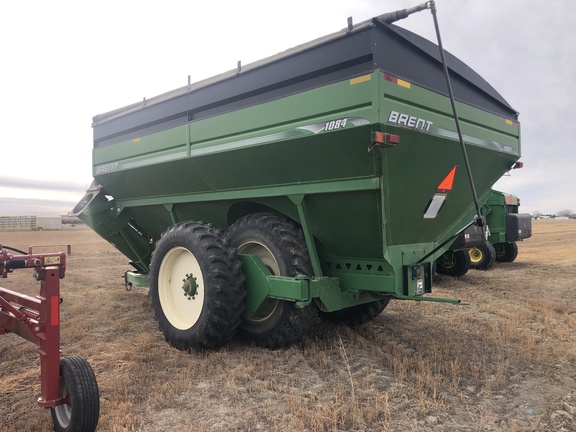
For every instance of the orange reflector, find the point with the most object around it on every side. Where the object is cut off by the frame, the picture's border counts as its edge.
(377, 137)
(403, 83)
(382, 138)
(511, 198)
(361, 79)
(446, 184)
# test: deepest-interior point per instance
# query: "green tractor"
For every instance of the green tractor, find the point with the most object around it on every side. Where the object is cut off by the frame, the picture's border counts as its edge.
(323, 181)
(477, 250)
(506, 228)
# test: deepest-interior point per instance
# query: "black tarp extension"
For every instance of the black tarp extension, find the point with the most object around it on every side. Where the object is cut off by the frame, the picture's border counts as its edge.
(370, 45)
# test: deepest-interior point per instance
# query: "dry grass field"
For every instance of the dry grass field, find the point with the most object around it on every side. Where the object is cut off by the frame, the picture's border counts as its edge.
(505, 361)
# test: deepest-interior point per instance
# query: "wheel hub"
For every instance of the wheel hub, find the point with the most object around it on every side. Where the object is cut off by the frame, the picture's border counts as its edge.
(189, 286)
(448, 259)
(475, 255)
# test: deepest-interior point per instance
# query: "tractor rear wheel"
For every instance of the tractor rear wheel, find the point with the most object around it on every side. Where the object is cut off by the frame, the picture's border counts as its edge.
(356, 315)
(280, 244)
(196, 286)
(78, 385)
(506, 252)
(482, 257)
(453, 263)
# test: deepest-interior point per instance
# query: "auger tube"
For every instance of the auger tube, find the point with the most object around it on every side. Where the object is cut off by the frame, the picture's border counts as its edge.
(391, 17)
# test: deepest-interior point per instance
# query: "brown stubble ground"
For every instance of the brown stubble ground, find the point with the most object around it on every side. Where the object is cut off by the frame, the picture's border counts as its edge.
(506, 361)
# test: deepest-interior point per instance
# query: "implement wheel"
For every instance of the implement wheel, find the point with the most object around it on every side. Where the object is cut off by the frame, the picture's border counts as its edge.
(356, 315)
(196, 286)
(506, 252)
(280, 244)
(482, 257)
(453, 263)
(78, 384)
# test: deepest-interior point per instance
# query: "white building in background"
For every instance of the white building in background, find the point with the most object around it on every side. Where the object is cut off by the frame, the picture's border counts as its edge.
(38, 222)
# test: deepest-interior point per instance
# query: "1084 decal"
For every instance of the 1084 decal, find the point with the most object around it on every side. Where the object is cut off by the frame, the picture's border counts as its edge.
(335, 124)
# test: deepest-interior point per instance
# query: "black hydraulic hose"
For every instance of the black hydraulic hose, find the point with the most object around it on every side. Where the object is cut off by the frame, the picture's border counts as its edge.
(479, 221)
(15, 264)
(15, 250)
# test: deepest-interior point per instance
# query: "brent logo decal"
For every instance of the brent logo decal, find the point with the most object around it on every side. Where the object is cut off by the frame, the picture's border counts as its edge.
(106, 168)
(409, 121)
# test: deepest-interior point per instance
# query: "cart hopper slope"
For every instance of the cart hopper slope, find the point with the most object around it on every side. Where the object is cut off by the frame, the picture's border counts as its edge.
(350, 136)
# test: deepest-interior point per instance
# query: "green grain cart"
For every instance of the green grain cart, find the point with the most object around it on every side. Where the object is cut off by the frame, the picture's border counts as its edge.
(324, 180)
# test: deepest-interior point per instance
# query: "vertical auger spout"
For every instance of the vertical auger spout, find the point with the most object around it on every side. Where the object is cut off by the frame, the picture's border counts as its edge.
(391, 17)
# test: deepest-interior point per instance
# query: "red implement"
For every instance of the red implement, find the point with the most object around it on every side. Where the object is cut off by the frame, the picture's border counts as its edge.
(37, 319)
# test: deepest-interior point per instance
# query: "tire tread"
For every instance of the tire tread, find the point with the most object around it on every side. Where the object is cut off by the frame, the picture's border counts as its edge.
(224, 280)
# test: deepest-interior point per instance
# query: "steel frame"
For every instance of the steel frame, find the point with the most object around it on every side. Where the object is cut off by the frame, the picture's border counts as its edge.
(37, 319)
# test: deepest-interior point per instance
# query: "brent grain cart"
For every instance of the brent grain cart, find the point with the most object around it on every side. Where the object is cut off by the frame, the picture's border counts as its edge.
(323, 180)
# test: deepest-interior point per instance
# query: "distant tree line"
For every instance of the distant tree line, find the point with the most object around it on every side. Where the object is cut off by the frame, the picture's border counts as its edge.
(562, 213)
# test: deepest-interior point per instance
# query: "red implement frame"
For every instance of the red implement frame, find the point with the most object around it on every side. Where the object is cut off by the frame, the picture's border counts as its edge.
(37, 318)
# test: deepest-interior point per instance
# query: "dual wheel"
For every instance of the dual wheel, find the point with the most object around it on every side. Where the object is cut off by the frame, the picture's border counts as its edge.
(197, 290)
(457, 263)
(197, 287)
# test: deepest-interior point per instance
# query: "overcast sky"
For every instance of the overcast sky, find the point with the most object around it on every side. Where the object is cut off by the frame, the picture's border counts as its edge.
(65, 61)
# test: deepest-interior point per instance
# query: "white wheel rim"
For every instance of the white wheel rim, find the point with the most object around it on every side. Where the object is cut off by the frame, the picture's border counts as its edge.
(180, 310)
(63, 412)
(267, 258)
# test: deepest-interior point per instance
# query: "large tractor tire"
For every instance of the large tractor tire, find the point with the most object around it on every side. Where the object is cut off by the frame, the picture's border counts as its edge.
(280, 244)
(482, 257)
(506, 252)
(196, 286)
(77, 384)
(356, 315)
(453, 263)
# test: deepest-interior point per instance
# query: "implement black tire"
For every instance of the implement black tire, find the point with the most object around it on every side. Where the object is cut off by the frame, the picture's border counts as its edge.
(77, 381)
(356, 315)
(280, 244)
(453, 263)
(506, 252)
(196, 253)
(482, 257)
